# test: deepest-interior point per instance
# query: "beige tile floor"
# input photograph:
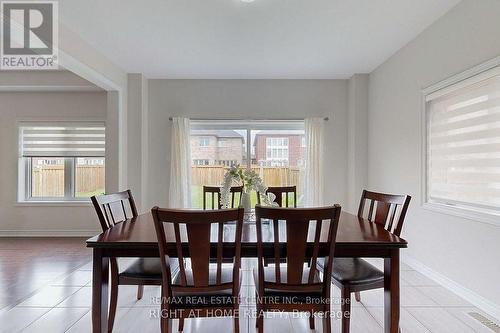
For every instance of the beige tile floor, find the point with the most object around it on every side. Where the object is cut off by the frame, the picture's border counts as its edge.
(63, 305)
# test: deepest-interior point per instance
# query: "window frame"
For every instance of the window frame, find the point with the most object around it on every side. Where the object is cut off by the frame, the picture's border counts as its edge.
(70, 165)
(248, 126)
(465, 78)
(274, 147)
(24, 166)
(204, 139)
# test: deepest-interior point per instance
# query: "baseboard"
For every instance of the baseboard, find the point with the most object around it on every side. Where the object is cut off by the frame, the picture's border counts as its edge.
(477, 300)
(50, 233)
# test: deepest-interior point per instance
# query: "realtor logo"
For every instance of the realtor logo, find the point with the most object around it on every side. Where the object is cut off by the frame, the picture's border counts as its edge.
(29, 35)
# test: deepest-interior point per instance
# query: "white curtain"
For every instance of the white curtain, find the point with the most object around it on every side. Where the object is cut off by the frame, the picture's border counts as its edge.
(180, 168)
(314, 180)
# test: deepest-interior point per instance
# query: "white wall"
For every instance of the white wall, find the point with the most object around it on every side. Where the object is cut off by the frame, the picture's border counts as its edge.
(243, 99)
(463, 250)
(27, 219)
(79, 57)
(137, 128)
(357, 140)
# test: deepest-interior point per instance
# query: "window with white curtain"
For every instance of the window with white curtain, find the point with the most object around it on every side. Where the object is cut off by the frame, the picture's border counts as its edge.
(61, 161)
(463, 144)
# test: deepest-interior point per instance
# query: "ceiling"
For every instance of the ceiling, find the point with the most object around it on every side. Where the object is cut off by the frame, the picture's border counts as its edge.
(275, 39)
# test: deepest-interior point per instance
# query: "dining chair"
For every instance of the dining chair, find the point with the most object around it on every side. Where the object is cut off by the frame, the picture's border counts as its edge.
(200, 289)
(214, 192)
(280, 192)
(291, 285)
(353, 275)
(111, 210)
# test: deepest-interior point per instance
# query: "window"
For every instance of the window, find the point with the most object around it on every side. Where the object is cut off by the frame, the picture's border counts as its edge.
(222, 142)
(273, 149)
(463, 144)
(201, 162)
(204, 142)
(276, 151)
(227, 163)
(62, 162)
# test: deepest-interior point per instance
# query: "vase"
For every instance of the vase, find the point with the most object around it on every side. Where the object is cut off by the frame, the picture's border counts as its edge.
(245, 202)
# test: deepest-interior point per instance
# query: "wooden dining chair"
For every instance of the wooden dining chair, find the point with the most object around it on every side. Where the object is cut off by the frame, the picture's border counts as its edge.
(214, 288)
(292, 286)
(355, 274)
(280, 192)
(112, 209)
(214, 193)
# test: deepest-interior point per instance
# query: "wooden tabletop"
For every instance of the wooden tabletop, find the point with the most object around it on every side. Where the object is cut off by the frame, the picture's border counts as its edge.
(352, 232)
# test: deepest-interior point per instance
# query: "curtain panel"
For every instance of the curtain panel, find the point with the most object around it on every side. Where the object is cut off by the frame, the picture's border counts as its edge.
(180, 168)
(314, 180)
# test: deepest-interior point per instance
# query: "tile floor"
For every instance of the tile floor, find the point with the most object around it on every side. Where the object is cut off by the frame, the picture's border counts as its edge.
(60, 302)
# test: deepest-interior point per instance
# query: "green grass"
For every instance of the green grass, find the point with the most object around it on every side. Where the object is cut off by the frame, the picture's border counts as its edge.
(99, 191)
(197, 198)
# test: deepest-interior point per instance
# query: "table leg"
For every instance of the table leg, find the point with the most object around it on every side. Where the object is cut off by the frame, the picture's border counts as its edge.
(100, 276)
(391, 292)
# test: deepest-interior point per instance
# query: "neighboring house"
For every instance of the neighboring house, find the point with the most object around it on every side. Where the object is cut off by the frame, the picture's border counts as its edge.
(279, 149)
(217, 147)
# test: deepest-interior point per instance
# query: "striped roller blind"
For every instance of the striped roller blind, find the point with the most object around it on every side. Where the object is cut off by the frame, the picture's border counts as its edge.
(463, 144)
(63, 140)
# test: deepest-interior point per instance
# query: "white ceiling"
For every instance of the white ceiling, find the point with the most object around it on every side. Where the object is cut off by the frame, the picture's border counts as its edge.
(262, 39)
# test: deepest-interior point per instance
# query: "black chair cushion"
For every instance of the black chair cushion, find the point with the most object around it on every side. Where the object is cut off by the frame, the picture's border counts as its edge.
(148, 268)
(354, 271)
(197, 299)
(287, 296)
(226, 276)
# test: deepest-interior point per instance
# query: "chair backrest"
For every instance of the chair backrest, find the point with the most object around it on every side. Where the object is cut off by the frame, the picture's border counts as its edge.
(214, 192)
(279, 192)
(297, 222)
(388, 210)
(112, 208)
(197, 225)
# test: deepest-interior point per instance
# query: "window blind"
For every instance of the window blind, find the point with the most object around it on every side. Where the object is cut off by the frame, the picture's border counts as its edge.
(463, 144)
(63, 140)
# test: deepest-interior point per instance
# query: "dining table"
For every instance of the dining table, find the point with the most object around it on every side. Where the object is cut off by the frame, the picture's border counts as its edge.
(136, 237)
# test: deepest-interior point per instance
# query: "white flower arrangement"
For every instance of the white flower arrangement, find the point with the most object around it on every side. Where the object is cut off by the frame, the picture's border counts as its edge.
(250, 180)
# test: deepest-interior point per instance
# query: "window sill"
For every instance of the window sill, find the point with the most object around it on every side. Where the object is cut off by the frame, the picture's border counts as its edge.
(469, 214)
(41, 203)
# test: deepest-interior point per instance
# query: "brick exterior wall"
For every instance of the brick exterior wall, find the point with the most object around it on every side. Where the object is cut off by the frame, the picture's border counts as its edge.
(295, 150)
(230, 150)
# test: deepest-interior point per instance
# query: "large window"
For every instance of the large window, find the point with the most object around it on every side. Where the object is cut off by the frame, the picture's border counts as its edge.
(274, 149)
(463, 144)
(61, 162)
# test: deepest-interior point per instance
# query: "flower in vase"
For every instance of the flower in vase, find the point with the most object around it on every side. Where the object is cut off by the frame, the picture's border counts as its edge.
(250, 180)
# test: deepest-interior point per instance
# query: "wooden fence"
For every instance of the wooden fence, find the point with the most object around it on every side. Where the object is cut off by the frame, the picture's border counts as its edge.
(272, 176)
(89, 178)
(48, 180)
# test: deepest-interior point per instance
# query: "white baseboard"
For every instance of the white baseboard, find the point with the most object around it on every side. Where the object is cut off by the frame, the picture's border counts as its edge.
(475, 299)
(50, 233)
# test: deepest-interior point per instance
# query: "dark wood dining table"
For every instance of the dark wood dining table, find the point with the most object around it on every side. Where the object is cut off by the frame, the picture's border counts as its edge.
(136, 237)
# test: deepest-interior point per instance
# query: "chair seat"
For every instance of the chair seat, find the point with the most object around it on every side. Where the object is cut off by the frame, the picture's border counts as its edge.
(354, 272)
(197, 299)
(287, 296)
(147, 268)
